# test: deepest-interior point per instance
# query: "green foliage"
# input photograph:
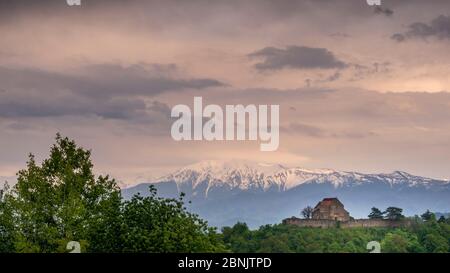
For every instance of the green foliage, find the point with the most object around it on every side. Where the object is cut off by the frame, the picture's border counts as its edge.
(394, 213)
(61, 200)
(286, 238)
(427, 216)
(400, 241)
(154, 224)
(435, 243)
(238, 237)
(423, 237)
(376, 214)
(6, 223)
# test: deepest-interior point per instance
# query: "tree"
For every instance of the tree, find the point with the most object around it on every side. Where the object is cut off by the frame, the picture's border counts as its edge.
(274, 244)
(434, 243)
(442, 219)
(427, 216)
(60, 200)
(6, 223)
(394, 213)
(154, 224)
(399, 241)
(239, 238)
(376, 214)
(307, 212)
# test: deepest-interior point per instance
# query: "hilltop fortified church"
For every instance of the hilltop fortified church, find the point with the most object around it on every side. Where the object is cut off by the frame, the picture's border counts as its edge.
(330, 212)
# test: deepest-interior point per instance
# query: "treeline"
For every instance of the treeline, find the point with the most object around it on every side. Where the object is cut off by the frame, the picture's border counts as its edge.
(61, 200)
(428, 236)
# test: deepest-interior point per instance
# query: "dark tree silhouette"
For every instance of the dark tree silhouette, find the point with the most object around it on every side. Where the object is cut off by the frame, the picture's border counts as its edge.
(427, 216)
(394, 213)
(376, 214)
(307, 212)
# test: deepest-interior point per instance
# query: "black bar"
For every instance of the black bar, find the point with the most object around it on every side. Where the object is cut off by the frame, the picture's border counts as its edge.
(221, 262)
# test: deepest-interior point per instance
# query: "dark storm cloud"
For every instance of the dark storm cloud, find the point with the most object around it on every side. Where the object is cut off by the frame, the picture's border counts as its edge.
(296, 57)
(438, 28)
(160, 107)
(18, 105)
(104, 80)
(105, 90)
(138, 79)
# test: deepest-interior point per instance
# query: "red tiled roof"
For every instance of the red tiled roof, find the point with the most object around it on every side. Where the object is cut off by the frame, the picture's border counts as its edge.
(327, 202)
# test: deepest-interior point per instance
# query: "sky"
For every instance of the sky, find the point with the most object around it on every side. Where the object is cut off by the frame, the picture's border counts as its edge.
(360, 88)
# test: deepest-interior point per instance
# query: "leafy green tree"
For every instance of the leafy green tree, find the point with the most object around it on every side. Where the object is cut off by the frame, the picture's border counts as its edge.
(307, 212)
(334, 247)
(239, 237)
(375, 214)
(154, 224)
(105, 230)
(274, 244)
(394, 213)
(6, 223)
(350, 247)
(435, 243)
(59, 200)
(427, 216)
(398, 241)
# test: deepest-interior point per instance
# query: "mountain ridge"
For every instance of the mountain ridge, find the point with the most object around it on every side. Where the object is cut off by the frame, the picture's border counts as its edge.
(260, 193)
(277, 174)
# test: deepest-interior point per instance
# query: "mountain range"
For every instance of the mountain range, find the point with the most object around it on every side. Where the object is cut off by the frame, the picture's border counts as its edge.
(256, 193)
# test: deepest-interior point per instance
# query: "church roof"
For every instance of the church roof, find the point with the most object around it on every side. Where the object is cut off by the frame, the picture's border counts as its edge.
(328, 202)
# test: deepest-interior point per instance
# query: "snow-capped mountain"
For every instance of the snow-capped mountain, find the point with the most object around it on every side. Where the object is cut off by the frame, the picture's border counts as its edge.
(258, 193)
(244, 175)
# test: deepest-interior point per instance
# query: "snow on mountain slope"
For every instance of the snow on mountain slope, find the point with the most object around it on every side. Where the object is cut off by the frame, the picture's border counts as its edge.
(226, 192)
(245, 175)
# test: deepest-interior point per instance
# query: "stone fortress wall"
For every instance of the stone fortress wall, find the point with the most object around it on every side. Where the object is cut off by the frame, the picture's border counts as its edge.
(353, 223)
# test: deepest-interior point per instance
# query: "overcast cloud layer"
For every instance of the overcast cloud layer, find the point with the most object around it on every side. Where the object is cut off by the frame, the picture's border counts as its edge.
(360, 88)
